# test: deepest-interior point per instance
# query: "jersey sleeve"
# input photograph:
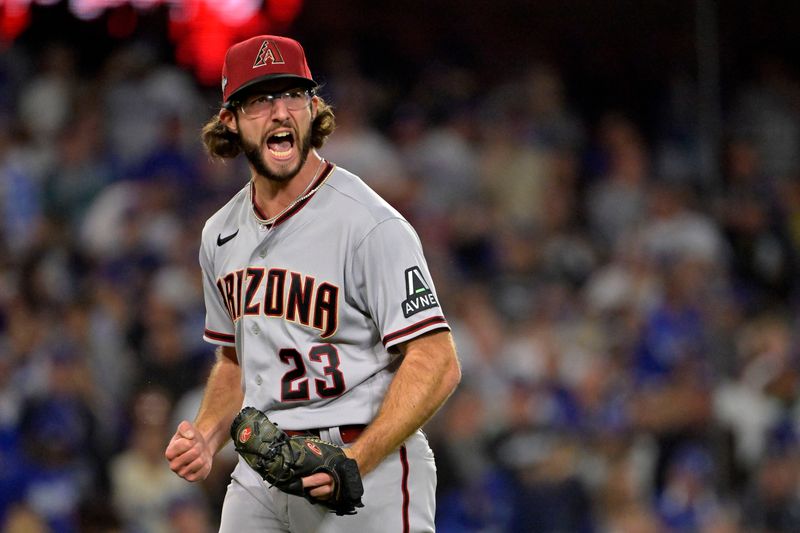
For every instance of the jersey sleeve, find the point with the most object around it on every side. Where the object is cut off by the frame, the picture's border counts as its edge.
(219, 326)
(395, 283)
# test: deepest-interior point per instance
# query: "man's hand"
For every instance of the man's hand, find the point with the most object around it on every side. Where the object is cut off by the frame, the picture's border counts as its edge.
(188, 453)
(320, 485)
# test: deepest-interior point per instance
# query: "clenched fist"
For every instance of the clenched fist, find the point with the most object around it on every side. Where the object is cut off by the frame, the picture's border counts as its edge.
(188, 453)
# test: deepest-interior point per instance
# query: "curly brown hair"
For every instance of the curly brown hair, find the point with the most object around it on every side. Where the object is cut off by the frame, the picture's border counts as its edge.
(222, 143)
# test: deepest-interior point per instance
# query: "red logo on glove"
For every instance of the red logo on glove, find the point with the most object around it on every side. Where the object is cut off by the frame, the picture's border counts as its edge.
(245, 434)
(314, 448)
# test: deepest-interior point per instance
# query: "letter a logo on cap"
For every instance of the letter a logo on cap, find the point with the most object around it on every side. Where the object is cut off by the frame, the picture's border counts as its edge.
(269, 53)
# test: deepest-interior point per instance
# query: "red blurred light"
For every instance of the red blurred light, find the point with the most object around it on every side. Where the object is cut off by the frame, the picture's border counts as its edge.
(284, 11)
(202, 35)
(202, 30)
(122, 22)
(14, 18)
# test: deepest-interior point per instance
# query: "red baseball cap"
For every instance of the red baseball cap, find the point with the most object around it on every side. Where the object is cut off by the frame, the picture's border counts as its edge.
(263, 58)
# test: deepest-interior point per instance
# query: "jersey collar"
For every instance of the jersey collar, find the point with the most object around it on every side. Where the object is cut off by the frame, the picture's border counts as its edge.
(298, 206)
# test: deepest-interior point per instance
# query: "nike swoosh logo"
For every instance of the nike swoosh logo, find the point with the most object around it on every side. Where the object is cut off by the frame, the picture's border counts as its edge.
(221, 240)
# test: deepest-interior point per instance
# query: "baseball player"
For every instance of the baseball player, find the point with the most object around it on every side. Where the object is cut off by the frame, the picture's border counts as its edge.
(321, 302)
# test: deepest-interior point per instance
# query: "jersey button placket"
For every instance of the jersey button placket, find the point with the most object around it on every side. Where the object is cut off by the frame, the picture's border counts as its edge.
(261, 248)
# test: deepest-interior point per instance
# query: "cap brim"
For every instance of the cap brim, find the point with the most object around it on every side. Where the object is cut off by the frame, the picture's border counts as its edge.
(272, 77)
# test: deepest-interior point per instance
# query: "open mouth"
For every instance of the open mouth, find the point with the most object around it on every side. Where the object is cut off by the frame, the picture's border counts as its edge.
(280, 145)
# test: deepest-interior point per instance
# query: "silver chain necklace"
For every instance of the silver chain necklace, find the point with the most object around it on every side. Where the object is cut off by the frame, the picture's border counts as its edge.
(303, 195)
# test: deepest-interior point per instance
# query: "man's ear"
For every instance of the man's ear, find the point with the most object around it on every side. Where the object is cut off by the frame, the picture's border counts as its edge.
(314, 108)
(228, 119)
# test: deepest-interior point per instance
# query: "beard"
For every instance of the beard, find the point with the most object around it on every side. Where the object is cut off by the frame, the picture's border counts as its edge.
(255, 156)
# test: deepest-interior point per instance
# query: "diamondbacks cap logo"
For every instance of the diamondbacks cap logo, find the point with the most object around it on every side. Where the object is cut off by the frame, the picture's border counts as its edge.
(419, 296)
(245, 434)
(268, 54)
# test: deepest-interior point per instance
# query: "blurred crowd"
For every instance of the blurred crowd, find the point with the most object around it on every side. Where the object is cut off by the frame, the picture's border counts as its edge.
(626, 323)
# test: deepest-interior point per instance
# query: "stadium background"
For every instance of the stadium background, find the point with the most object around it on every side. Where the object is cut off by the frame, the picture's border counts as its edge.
(608, 196)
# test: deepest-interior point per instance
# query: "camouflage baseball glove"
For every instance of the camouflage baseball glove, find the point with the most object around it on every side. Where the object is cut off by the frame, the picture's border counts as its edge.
(283, 461)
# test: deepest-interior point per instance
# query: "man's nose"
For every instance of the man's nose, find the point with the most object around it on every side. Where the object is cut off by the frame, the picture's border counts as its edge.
(280, 111)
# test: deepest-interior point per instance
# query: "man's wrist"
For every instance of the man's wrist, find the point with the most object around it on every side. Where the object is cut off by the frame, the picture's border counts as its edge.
(365, 462)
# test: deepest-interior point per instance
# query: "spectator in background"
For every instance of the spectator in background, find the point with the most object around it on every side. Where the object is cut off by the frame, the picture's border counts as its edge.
(57, 436)
(21, 203)
(763, 260)
(623, 499)
(437, 135)
(771, 503)
(46, 100)
(514, 174)
(473, 492)
(12, 475)
(361, 147)
(109, 363)
(145, 493)
(550, 121)
(677, 228)
(688, 501)
(84, 168)
(548, 495)
(617, 198)
(141, 94)
(163, 357)
(766, 111)
(477, 330)
(190, 515)
(670, 365)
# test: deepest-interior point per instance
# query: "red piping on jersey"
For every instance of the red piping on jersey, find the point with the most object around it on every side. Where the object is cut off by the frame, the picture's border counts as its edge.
(404, 487)
(414, 327)
(323, 175)
(257, 209)
(223, 337)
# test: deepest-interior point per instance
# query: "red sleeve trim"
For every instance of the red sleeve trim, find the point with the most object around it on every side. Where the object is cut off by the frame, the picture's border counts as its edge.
(217, 336)
(404, 488)
(414, 328)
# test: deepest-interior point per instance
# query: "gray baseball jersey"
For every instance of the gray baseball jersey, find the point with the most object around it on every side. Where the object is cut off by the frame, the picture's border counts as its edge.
(315, 302)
